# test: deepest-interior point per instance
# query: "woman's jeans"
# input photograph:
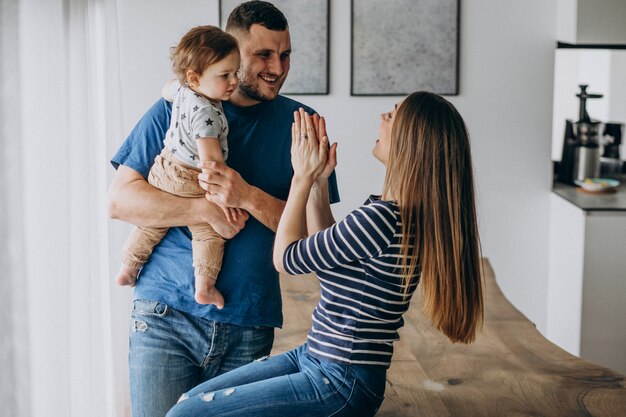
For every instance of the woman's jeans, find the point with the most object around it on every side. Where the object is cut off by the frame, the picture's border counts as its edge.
(291, 384)
(172, 352)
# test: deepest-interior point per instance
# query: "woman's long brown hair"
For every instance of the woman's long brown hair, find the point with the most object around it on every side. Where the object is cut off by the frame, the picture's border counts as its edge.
(430, 174)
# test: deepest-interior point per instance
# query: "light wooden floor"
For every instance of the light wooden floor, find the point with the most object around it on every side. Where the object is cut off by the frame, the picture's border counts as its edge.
(511, 370)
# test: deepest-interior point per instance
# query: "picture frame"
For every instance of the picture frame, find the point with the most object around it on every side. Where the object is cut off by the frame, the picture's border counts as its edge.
(309, 27)
(415, 46)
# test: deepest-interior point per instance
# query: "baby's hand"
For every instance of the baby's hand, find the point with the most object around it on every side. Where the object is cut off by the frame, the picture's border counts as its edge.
(232, 214)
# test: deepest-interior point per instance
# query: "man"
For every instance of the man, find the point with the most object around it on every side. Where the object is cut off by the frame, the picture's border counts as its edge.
(174, 342)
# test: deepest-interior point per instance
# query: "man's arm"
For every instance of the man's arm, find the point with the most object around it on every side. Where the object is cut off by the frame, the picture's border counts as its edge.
(168, 92)
(225, 187)
(132, 199)
(265, 208)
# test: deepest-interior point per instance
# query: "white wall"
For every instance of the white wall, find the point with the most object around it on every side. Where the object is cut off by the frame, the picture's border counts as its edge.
(506, 91)
(566, 20)
(591, 21)
(601, 21)
(506, 72)
(565, 288)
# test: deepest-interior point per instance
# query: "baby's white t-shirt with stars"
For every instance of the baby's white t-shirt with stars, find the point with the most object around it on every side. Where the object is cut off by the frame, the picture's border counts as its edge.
(195, 116)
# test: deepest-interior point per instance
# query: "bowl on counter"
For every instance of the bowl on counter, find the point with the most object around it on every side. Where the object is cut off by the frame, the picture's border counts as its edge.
(598, 184)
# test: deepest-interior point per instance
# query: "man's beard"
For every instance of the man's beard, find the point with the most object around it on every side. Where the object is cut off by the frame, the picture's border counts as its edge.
(254, 92)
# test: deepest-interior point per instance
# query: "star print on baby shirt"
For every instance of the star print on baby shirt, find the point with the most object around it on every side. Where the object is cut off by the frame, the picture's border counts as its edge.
(194, 118)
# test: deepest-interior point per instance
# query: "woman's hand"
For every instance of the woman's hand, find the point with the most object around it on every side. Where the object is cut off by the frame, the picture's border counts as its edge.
(309, 155)
(319, 123)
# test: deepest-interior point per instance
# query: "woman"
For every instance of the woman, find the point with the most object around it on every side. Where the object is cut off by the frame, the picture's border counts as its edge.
(422, 229)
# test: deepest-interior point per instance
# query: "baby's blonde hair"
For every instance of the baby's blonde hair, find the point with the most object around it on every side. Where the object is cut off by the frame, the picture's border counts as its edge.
(201, 47)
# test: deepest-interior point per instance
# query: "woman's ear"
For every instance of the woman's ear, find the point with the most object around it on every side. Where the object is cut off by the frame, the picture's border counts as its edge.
(193, 80)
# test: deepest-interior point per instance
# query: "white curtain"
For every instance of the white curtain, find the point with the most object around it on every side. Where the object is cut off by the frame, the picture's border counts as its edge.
(60, 122)
(14, 367)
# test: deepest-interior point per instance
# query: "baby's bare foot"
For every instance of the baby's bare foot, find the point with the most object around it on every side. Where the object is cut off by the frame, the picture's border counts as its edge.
(206, 293)
(127, 276)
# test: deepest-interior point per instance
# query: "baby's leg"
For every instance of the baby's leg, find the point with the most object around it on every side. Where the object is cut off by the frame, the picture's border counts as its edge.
(127, 276)
(136, 251)
(208, 249)
(206, 293)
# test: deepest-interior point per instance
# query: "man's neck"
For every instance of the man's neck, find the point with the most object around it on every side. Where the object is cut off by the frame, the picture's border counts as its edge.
(241, 99)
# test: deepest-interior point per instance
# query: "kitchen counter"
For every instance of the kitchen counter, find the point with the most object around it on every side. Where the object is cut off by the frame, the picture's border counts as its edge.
(587, 274)
(611, 201)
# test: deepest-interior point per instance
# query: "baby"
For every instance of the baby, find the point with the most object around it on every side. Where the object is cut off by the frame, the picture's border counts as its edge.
(205, 61)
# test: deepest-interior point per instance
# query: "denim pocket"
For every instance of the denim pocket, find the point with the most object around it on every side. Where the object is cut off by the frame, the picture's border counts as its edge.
(368, 392)
(363, 402)
(150, 308)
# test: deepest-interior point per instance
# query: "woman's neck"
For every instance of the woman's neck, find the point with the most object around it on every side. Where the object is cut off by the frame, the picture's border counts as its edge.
(388, 195)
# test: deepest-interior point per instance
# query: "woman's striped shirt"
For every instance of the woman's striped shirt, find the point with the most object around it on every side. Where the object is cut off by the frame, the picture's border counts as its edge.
(357, 262)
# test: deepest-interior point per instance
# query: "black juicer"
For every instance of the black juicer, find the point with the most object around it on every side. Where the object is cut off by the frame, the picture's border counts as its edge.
(610, 164)
(581, 144)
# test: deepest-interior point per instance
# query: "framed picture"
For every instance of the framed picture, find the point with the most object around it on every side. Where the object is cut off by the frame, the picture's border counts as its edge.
(309, 29)
(400, 46)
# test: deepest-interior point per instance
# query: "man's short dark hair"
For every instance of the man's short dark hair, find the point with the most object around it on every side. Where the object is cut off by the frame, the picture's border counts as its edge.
(256, 12)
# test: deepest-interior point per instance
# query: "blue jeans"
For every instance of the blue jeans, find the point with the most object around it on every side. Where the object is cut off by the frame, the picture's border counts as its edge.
(291, 384)
(172, 352)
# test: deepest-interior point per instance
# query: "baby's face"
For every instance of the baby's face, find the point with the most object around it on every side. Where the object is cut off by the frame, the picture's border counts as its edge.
(219, 80)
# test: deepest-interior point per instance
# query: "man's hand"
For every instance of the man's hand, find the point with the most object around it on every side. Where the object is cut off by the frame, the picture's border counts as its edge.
(133, 200)
(224, 186)
(227, 228)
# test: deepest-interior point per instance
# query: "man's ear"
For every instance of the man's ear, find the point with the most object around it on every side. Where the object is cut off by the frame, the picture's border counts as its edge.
(193, 80)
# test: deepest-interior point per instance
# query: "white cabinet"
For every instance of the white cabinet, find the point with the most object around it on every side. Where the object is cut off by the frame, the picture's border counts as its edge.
(586, 312)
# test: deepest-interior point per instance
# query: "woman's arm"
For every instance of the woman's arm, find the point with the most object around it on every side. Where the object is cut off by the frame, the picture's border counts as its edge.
(291, 227)
(318, 213)
(308, 158)
(364, 233)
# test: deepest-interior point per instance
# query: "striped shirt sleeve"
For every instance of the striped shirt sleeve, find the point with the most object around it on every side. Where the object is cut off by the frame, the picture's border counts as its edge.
(364, 233)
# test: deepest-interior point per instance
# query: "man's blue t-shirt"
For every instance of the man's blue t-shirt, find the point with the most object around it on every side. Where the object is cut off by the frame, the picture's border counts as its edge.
(259, 143)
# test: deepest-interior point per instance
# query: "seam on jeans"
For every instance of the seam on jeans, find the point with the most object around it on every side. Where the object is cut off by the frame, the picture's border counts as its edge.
(212, 347)
(345, 376)
(345, 404)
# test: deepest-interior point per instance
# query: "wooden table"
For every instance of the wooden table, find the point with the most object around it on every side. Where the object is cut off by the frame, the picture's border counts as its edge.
(511, 369)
